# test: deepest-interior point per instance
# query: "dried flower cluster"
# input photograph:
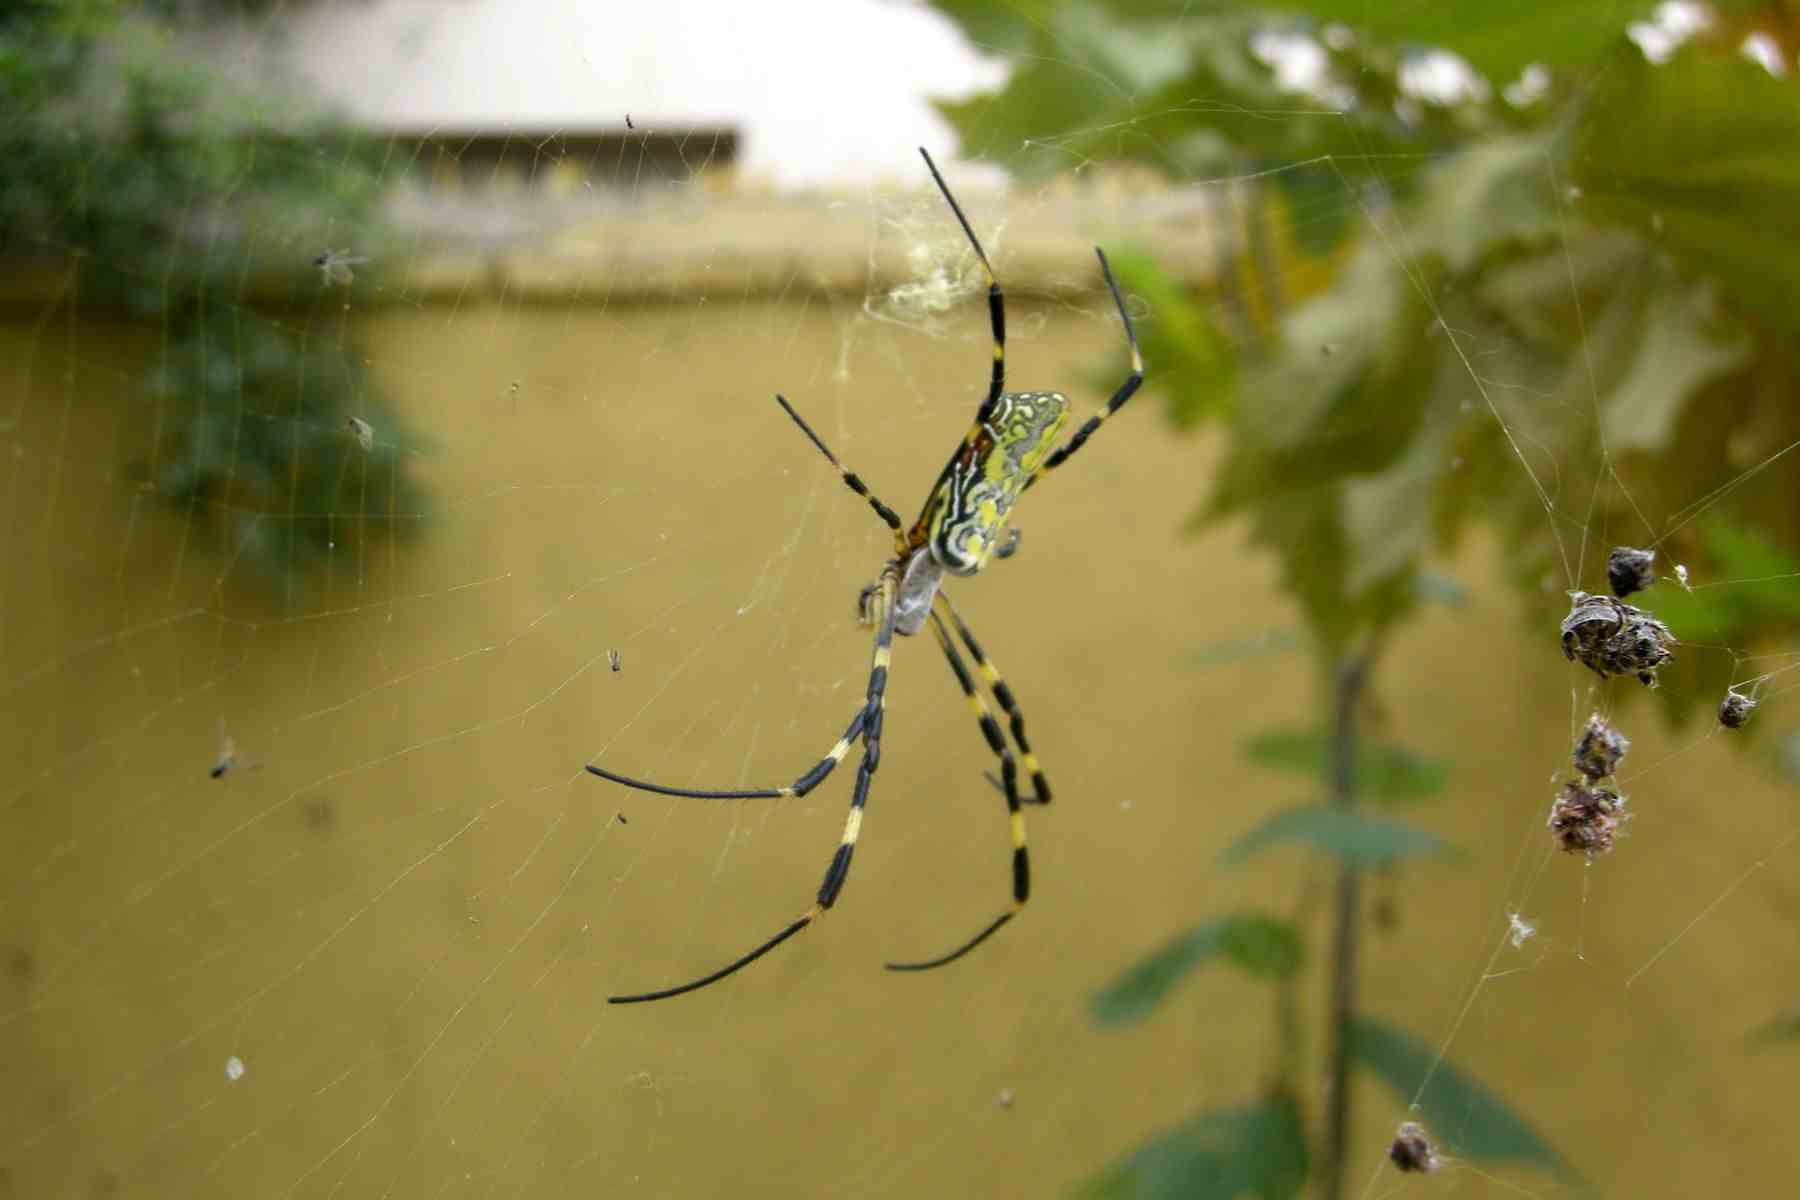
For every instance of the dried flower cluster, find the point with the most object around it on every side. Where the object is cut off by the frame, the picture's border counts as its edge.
(1611, 637)
(1412, 1150)
(1600, 748)
(1585, 816)
(1630, 570)
(1584, 819)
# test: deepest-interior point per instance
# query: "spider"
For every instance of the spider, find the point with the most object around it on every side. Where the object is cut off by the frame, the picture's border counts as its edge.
(1006, 450)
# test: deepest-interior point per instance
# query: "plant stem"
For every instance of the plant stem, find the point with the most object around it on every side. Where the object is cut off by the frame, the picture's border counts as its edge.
(1351, 674)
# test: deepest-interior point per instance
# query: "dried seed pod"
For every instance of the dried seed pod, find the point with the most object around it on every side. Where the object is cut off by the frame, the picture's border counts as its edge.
(1735, 709)
(1611, 637)
(1584, 819)
(1412, 1150)
(1601, 747)
(1630, 570)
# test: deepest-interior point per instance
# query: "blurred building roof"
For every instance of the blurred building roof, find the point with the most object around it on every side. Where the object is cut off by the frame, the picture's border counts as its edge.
(838, 92)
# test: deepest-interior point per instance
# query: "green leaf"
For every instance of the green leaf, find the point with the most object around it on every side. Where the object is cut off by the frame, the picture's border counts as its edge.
(1679, 345)
(1763, 591)
(1787, 757)
(1491, 193)
(1196, 364)
(1784, 1028)
(1472, 1121)
(1384, 773)
(1286, 749)
(1701, 154)
(1241, 649)
(1353, 837)
(1260, 945)
(1257, 1151)
(1747, 560)
(1499, 40)
(1442, 589)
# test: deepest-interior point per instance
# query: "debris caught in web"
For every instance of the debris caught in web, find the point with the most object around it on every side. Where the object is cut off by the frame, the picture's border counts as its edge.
(363, 431)
(1519, 930)
(1681, 577)
(1600, 748)
(334, 266)
(1412, 1150)
(1584, 819)
(1735, 709)
(1630, 570)
(613, 660)
(234, 1068)
(1611, 637)
(227, 755)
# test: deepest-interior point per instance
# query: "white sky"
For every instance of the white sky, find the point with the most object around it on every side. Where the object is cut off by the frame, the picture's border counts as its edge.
(826, 91)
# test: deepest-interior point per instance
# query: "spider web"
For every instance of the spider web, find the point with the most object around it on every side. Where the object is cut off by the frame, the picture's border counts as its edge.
(370, 957)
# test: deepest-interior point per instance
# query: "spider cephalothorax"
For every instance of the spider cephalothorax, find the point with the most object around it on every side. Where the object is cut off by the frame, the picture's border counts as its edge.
(959, 530)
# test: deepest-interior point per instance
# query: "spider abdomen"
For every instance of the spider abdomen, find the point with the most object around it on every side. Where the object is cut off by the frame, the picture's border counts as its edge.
(969, 508)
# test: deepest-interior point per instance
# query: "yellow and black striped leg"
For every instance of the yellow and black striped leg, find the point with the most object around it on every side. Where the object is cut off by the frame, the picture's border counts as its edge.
(806, 783)
(1040, 786)
(850, 477)
(869, 724)
(1009, 775)
(1079, 438)
(996, 306)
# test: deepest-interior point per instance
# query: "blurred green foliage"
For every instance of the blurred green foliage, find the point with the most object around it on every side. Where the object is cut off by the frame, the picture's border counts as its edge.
(197, 209)
(1567, 311)
(1388, 775)
(1477, 1123)
(1259, 1150)
(1553, 292)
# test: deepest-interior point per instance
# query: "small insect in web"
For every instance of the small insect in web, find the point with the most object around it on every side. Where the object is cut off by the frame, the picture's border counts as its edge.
(1735, 709)
(1412, 1150)
(613, 661)
(1519, 930)
(1008, 448)
(334, 266)
(363, 432)
(228, 756)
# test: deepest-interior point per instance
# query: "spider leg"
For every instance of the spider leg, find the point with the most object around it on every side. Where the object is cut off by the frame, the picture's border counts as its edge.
(1079, 438)
(869, 722)
(997, 319)
(1009, 777)
(996, 305)
(1040, 786)
(850, 477)
(806, 783)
